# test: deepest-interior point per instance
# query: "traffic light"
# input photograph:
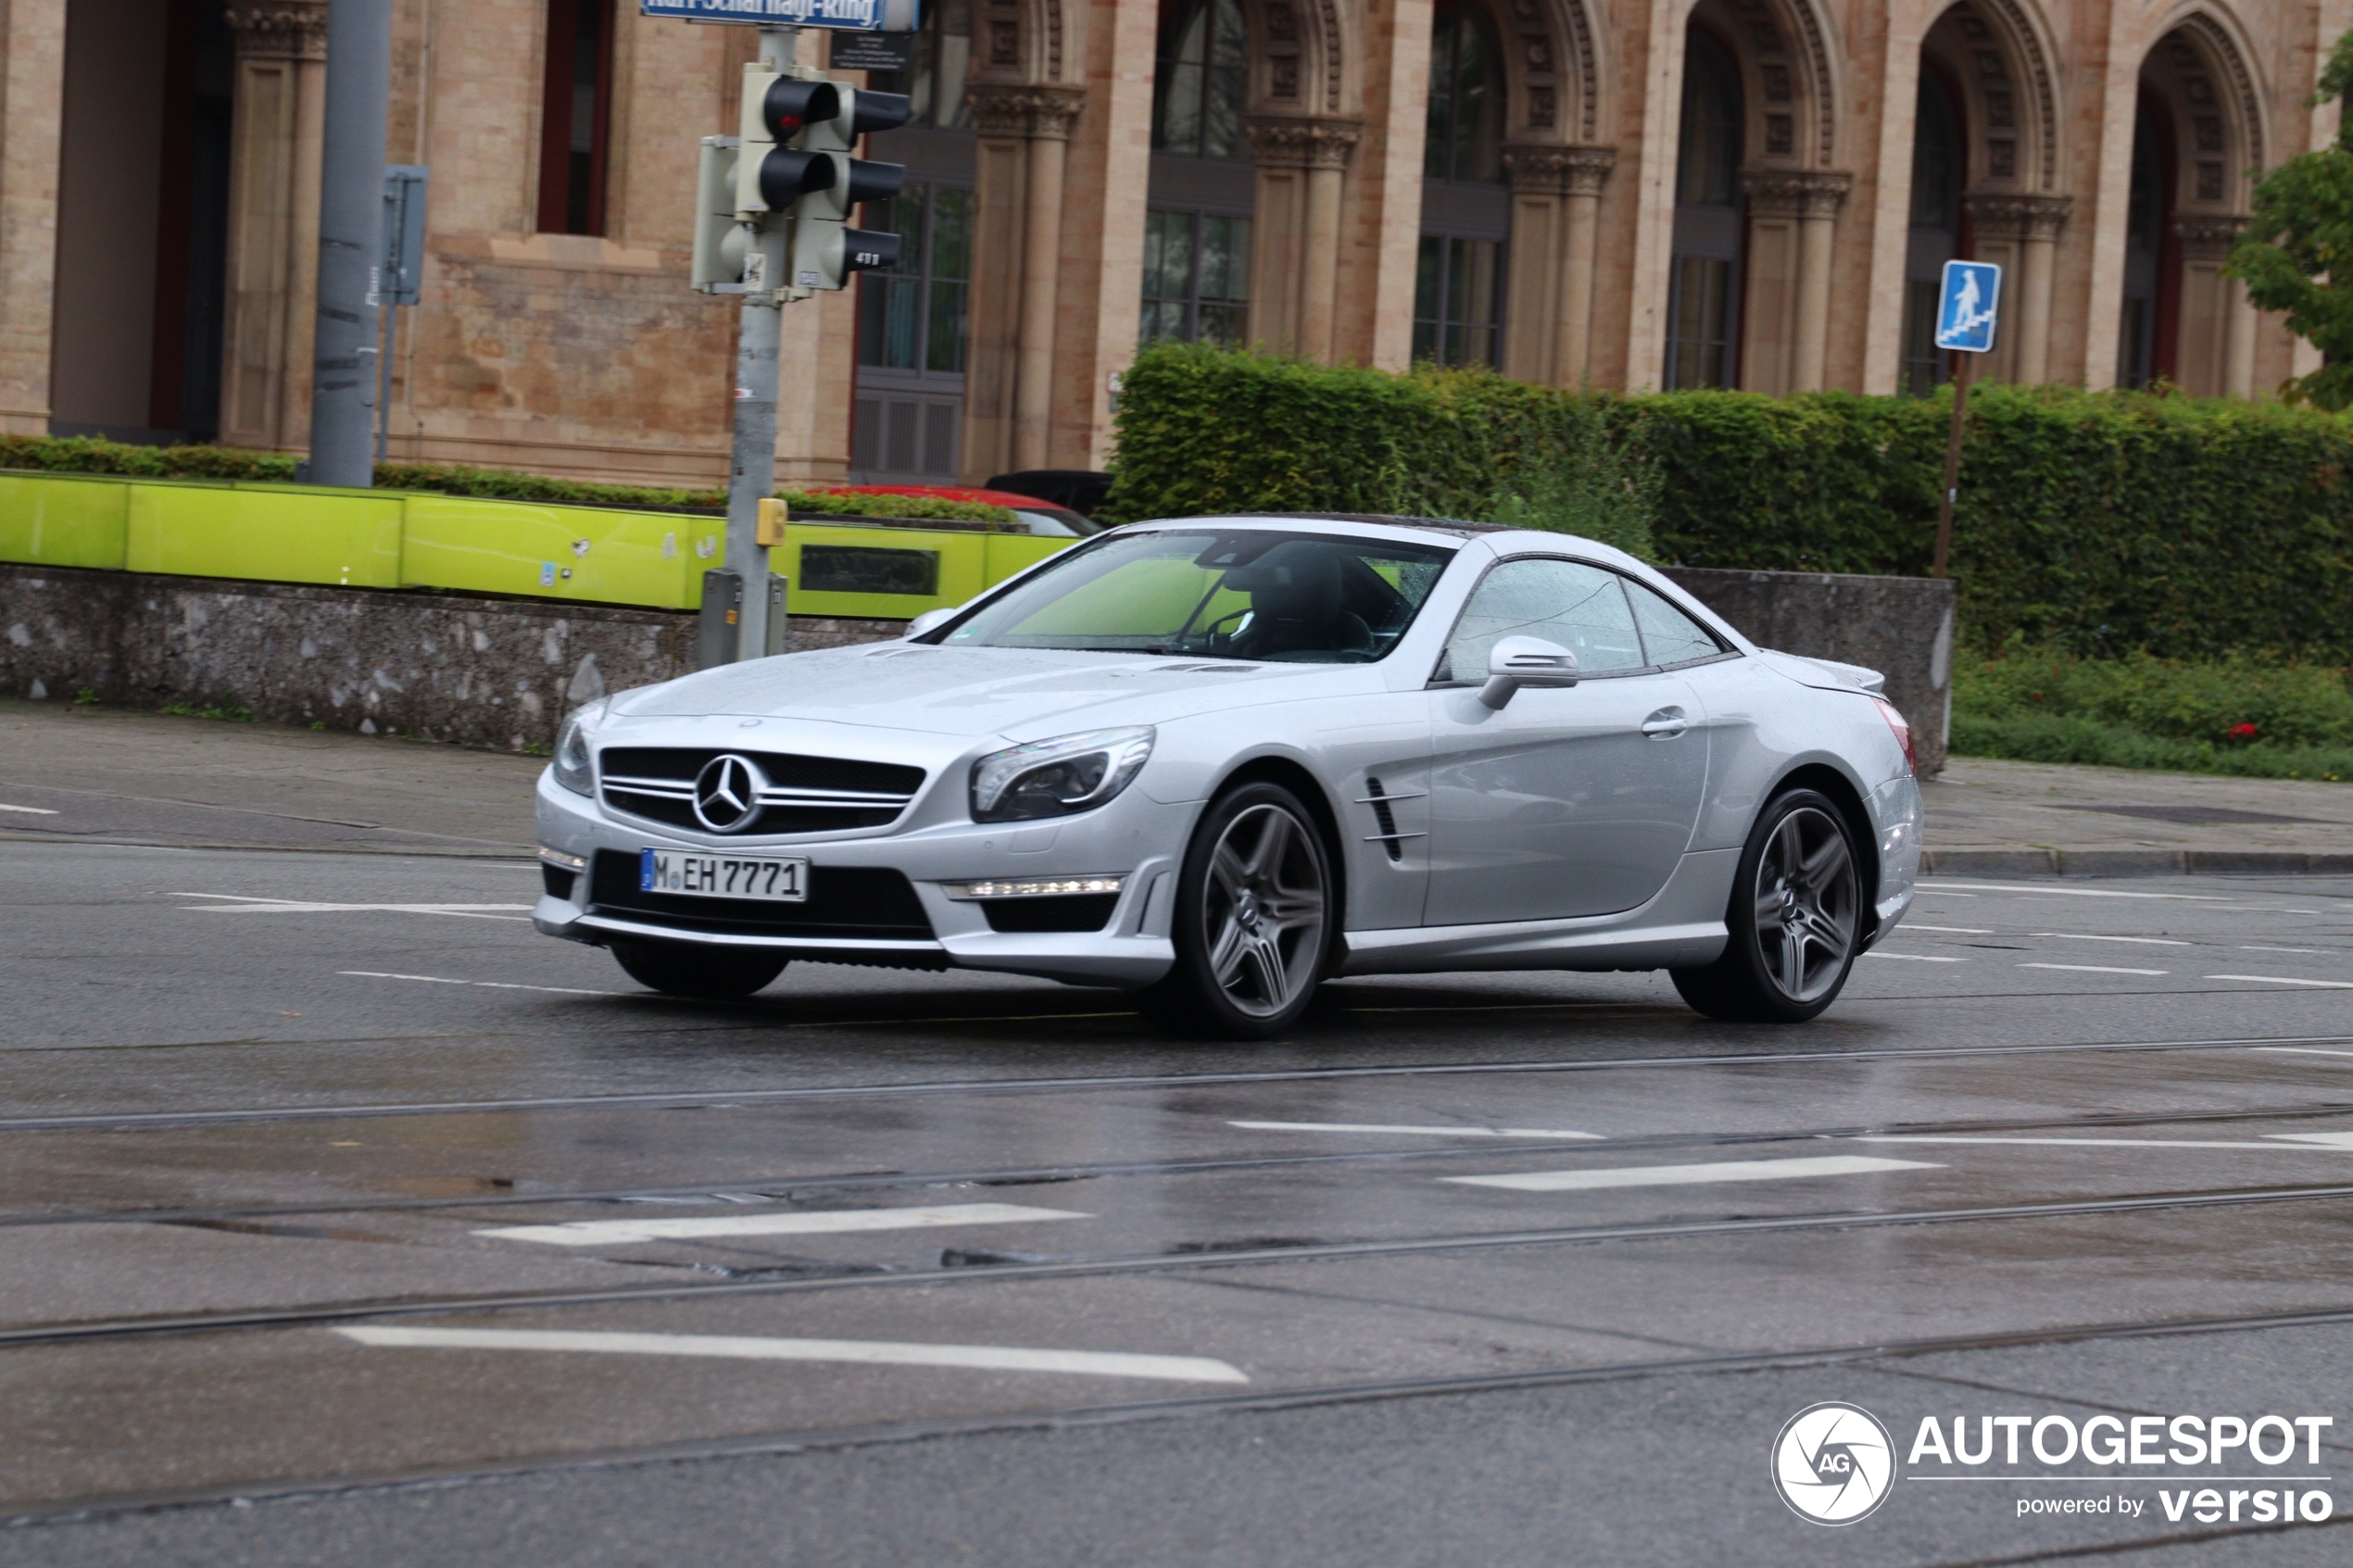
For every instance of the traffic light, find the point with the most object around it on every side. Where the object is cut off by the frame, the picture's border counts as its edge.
(771, 174)
(825, 250)
(720, 239)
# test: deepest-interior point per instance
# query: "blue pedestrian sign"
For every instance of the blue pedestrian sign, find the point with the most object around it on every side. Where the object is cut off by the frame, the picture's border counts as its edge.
(1970, 294)
(854, 16)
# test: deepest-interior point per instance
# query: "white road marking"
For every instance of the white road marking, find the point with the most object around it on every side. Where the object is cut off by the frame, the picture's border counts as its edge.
(490, 985)
(2294, 1141)
(2070, 892)
(2094, 968)
(2300, 1051)
(1954, 930)
(834, 1222)
(1916, 957)
(2287, 980)
(2086, 937)
(875, 1352)
(1687, 1176)
(2309, 952)
(1411, 1131)
(29, 810)
(2265, 910)
(242, 904)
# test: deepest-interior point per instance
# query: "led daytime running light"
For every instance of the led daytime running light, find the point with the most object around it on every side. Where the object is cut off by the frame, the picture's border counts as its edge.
(1033, 887)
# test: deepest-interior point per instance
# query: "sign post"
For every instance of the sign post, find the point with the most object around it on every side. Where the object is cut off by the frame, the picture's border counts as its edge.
(1967, 301)
(403, 269)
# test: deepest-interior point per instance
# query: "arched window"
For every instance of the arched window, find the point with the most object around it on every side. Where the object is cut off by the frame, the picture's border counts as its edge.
(1466, 211)
(1465, 141)
(1939, 167)
(1703, 320)
(1196, 93)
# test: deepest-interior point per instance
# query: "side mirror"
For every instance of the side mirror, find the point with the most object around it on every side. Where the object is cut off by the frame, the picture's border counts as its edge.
(930, 620)
(1515, 662)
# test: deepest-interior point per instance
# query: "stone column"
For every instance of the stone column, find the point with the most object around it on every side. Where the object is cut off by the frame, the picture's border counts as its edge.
(32, 68)
(1303, 169)
(2023, 231)
(1818, 224)
(1048, 114)
(1556, 195)
(275, 135)
(992, 326)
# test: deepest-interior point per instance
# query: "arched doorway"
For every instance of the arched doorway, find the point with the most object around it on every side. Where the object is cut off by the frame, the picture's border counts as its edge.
(1466, 205)
(1704, 289)
(1940, 168)
(1203, 186)
(2198, 136)
(913, 318)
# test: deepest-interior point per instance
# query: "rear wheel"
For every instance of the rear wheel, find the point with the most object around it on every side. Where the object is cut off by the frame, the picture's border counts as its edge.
(711, 974)
(1254, 917)
(1795, 914)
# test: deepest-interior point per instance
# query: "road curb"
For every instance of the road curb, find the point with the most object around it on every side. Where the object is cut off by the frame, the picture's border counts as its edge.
(2039, 861)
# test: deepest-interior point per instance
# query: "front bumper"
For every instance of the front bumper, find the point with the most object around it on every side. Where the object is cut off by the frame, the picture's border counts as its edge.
(1133, 836)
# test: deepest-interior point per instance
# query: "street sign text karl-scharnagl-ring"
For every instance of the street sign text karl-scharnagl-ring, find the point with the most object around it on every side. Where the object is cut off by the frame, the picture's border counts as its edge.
(856, 16)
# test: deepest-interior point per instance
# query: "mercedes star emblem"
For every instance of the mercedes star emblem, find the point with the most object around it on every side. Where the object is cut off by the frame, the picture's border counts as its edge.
(727, 794)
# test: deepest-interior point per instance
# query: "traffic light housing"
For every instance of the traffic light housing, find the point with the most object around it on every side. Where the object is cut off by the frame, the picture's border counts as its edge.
(777, 110)
(825, 250)
(720, 238)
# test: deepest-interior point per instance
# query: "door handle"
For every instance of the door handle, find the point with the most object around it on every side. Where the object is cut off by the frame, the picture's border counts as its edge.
(1666, 724)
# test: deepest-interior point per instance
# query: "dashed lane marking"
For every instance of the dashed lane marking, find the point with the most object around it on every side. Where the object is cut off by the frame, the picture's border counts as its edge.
(29, 810)
(241, 903)
(1411, 1131)
(872, 1352)
(1948, 930)
(2141, 941)
(2275, 1142)
(2287, 980)
(2094, 968)
(609, 1232)
(488, 985)
(1692, 1175)
(2308, 952)
(2046, 888)
(1916, 957)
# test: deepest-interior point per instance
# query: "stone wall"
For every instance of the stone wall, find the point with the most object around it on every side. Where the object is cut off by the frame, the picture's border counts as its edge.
(476, 670)
(1900, 626)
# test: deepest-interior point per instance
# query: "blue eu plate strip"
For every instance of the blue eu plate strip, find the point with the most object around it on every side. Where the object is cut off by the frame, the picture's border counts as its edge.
(645, 870)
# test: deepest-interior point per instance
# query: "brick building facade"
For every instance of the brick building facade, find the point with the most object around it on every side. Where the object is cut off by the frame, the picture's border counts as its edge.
(1621, 193)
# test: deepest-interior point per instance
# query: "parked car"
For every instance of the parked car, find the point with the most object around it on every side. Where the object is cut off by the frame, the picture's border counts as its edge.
(1082, 490)
(1038, 516)
(1220, 761)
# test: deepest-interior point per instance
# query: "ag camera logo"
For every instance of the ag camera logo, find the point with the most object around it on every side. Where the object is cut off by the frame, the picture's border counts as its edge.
(1833, 1464)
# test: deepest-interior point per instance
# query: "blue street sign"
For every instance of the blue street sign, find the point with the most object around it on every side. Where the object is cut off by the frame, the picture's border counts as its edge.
(853, 16)
(1970, 294)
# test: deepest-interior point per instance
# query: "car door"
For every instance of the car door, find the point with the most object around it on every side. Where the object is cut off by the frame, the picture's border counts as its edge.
(1563, 802)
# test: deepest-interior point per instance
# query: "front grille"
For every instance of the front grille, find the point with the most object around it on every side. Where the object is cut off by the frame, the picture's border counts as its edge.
(1058, 911)
(803, 794)
(853, 902)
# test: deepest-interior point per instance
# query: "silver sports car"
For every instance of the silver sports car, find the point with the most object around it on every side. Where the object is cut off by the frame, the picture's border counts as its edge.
(1222, 759)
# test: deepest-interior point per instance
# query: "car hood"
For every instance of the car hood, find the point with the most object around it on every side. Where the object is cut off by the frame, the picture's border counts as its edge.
(1021, 693)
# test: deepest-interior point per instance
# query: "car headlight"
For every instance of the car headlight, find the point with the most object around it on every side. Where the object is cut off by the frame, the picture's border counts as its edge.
(1053, 778)
(575, 766)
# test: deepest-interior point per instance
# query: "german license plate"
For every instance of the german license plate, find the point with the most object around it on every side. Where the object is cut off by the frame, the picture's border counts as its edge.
(782, 879)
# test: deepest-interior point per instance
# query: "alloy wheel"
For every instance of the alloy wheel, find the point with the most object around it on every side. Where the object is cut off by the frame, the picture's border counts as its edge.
(1806, 904)
(1263, 910)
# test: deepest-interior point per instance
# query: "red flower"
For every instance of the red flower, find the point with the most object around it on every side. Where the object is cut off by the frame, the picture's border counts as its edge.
(2242, 732)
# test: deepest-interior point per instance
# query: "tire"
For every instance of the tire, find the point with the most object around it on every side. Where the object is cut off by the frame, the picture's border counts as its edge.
(1254, 919)
(1795, 917)
(709, 974)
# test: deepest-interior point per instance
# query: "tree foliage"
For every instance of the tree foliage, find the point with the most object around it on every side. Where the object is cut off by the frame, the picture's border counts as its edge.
(2296, 256)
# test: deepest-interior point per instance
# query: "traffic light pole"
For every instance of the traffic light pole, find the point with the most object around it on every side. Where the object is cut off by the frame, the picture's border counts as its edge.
(351, 211)
(751, 475)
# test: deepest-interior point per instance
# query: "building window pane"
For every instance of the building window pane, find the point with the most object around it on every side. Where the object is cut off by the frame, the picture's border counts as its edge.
(1196, 278)
(1699, 346)
(1464, 141)
(1708, 157)
(574, 107)
(1457, 300)
(1922, 367)
(951, 270)
(1197, 102)
(935, 88)
(911, 316)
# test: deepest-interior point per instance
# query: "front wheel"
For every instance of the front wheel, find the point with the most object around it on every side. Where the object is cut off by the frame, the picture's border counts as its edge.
(1794, 918)
(711, 974)
(1254, 917)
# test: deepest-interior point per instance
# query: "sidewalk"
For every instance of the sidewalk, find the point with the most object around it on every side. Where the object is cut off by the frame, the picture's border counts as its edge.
(104, 775)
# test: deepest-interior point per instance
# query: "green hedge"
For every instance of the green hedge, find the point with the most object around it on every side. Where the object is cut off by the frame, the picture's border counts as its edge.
(2101, 521)
(88, 455)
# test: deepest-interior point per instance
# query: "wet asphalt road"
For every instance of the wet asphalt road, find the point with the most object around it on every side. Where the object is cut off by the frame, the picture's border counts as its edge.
(343, 1219)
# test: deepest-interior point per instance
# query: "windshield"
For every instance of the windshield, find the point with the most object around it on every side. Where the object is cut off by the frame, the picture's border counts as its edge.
(1257, 593)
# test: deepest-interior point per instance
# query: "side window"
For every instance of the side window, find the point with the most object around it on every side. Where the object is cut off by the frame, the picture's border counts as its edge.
(1578, 607)
(1670, 636)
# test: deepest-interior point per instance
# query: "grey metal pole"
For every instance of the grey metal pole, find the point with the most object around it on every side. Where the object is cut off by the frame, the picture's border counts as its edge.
(751, 475)
(351, 214)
